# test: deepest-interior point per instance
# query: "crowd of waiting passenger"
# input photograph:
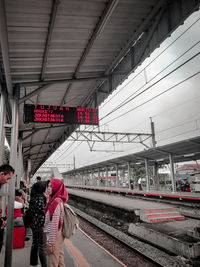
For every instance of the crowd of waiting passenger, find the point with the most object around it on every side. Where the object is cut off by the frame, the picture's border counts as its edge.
(46, 211)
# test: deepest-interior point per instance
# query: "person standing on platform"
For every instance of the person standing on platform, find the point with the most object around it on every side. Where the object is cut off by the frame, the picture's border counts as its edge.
(38, 179)
(131, 184)
(140, 183)
(37, 205)
(6, 173)
(53, 222)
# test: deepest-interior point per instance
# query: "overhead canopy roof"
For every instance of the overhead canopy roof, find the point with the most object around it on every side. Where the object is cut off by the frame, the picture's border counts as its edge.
(186, 150)
(75, 53)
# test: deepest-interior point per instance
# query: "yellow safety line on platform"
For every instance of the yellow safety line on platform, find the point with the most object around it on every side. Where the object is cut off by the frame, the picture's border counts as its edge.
(77, 256)
(103, 249)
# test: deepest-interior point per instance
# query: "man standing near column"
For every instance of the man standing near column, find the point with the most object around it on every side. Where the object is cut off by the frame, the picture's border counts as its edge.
(6, 172)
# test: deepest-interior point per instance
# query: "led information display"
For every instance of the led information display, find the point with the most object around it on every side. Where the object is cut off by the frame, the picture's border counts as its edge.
(59, 114)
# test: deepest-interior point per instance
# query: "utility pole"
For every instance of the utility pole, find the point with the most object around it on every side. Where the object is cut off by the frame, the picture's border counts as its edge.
(153, 133)
(74, 163)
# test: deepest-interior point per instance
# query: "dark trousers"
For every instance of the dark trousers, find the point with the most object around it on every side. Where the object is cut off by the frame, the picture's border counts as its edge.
(140, 187)
(1, 238)
(38, 247)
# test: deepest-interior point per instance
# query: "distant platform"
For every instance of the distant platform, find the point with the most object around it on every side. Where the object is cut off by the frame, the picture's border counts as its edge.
(190, 196)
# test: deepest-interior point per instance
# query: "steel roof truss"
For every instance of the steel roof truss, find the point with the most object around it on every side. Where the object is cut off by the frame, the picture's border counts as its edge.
(112, 137)
(99, 28)
(42, 128)
(49, 35)
(5, 47)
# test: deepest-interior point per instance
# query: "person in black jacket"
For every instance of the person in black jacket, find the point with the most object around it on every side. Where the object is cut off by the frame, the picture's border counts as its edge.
(36, 206)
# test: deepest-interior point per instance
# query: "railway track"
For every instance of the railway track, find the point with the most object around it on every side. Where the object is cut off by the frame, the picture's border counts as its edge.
(131, 251)
(118, 249)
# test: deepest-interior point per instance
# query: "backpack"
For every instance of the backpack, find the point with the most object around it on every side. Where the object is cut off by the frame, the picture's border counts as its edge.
(70, 222)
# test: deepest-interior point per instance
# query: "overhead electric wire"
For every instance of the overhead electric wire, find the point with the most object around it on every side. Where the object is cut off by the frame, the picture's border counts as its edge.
(177, 125)
(193, 75)
(174, 107)
(65, 149)
(164, 111)
(124, 101)
(150, 86)
(152, 61)
(168, 137)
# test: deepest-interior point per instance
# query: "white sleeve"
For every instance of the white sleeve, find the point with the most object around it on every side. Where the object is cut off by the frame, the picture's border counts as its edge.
(18, 205)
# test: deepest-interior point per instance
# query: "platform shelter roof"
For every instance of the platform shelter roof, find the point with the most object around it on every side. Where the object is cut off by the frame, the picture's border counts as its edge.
(183, 151)
(75, 53)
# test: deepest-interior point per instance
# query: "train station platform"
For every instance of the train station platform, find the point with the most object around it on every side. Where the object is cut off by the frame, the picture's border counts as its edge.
(80, 251)
(175, 234)
(191, 196)
(117, 200)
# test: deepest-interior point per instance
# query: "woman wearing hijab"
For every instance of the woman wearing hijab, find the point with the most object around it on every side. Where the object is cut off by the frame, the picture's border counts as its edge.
(37, 205)
(53, 222)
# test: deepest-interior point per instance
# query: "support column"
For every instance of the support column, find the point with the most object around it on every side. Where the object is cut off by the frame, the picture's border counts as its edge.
(11, 183)
(153, 134)
(156, 177)
(117, 176)
(3, 189)
(79, 178)
(2, 123)
(106, 176)
(147, 175)
(129, 175)
(99, 181)
(82, 179)
(92, 177)
(19, 169)
(171, 161)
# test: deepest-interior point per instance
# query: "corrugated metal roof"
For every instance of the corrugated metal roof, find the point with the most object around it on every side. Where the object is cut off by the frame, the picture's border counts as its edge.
(181, 151)
(69, 50)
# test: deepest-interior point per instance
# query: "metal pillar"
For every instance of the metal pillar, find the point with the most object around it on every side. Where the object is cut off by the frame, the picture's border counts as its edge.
(19, 167)
(153, 133)
(171, 161)
(129, 175)
(117, 176)
(74, 178)
(147, 175)
(2, 123)
(106, 176)
(92, 177)
(3, 189)
(156, 177)
(11, 183)
(99, 181)
(82, 179)
(79, 178)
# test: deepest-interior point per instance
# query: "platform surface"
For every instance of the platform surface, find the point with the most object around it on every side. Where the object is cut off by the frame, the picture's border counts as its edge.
(118, 200)
(79, 251)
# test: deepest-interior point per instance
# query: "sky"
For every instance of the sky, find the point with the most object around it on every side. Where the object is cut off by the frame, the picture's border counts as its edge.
(164, 87)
